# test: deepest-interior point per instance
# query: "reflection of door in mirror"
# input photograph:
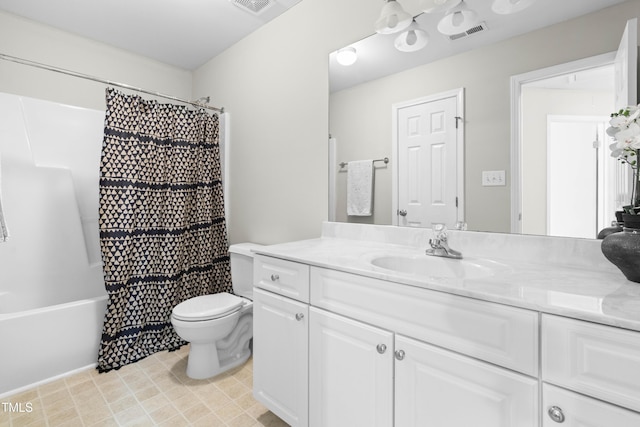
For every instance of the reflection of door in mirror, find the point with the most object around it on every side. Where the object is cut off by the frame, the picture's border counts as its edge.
(581, 184)
(426, 151)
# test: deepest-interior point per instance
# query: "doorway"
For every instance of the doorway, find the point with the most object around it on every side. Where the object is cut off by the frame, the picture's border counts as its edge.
(619, 90)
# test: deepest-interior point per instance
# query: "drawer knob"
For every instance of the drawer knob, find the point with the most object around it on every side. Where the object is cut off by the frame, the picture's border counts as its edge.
(556, 414)
(381, 348)
(399, 354)
(299, 316)
(274, 277)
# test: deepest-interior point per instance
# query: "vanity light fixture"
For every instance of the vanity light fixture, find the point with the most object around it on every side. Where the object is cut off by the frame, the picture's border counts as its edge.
(347, 56)
(436, 6)
(412, 39)
(458, 20)
(393, 18)
(506, 7)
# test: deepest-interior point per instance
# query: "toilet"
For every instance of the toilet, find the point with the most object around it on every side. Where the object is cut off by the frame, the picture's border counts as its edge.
(219, 326)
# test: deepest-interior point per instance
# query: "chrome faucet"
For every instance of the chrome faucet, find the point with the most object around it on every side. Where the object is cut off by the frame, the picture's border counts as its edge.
(439, 244)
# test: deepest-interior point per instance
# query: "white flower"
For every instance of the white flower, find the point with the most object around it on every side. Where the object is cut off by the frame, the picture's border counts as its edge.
(615, 150)
(629, 137)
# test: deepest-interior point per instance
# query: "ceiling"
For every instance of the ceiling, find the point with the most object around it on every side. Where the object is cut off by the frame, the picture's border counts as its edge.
(377, 56)
(189, 33)
(182, 33)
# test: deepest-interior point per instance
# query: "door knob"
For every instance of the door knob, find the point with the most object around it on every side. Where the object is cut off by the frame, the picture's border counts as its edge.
(555, 413)
(402, 212)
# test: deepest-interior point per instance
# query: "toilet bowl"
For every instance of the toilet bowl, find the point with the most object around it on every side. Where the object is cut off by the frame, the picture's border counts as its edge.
(219, 327)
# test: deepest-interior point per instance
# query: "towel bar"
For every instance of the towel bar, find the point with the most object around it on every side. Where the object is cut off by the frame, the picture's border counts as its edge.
(385, 160)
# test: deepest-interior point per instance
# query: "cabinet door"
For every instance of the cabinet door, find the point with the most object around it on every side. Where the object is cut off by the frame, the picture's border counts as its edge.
(351, 373)
(563, 407)
(436, 387)
(280, 356)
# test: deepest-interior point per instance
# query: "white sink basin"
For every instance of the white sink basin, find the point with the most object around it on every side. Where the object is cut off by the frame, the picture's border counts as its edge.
(438, 267)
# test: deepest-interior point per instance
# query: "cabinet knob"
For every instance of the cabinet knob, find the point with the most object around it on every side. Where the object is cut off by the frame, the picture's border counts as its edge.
(381, 348)
(399, 354)
(274, 277)
(299, 316)
(555, 413)
(402, 212)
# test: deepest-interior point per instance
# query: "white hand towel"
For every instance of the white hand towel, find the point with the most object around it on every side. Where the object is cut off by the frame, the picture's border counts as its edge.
(4, 232)
(360, 188)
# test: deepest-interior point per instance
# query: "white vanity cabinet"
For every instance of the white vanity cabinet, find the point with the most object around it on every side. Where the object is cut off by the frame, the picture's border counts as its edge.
(335, 349)
(582, 362)
(280, 338)
(365, 372)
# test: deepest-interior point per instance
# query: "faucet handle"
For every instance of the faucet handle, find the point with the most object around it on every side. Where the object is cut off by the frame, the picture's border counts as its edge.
(439, 231)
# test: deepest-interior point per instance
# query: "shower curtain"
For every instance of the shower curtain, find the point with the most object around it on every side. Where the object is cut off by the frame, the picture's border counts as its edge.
(162, 226)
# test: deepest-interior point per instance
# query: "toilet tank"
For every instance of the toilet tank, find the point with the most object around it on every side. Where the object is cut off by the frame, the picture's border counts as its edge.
(242, 268)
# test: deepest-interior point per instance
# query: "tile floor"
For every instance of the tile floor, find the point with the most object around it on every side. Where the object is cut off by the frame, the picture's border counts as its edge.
(153, 392)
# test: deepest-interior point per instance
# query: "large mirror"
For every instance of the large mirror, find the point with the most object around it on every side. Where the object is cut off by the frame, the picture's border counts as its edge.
(573, 40)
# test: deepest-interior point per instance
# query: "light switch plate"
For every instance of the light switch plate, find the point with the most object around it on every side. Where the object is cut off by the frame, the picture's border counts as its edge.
(493, 178)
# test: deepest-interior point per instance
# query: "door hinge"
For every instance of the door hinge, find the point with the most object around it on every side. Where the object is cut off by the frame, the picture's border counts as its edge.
(456, 201)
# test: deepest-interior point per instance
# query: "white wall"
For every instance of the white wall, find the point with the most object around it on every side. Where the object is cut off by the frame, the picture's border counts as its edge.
(485, 75)
(275, 85)
(40, 43)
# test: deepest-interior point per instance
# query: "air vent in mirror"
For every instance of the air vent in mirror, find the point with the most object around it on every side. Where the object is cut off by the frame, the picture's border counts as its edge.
(253, 6)
(478, 28)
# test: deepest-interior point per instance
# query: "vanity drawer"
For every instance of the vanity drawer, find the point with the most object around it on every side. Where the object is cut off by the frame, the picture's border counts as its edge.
(579, 410)
(496, 333)
(597, 360)
(286, 278)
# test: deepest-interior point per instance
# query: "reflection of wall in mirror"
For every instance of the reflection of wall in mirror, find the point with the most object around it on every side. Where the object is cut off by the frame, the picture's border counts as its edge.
(360, 117)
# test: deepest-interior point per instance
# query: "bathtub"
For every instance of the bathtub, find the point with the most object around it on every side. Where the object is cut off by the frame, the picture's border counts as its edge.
(43, 344)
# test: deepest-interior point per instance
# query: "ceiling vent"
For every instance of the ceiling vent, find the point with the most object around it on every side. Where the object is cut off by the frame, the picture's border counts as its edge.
(255, 7)
(477, 29)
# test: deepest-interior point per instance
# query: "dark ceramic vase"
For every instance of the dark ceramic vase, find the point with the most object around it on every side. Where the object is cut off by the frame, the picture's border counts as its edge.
(631, 221)
(616, 226)
(623, 251)
(610, 230)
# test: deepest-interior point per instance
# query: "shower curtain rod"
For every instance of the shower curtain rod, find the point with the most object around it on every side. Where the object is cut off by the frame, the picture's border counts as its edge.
(107, 82)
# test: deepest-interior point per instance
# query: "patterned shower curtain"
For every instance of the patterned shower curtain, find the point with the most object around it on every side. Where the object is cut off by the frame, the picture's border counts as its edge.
(162, 227)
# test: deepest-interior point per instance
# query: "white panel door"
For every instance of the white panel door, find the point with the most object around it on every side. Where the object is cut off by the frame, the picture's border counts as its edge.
(427, 163)
(587, 186)
(626, 66)
(280, 356)
(626, 84)
(350, 373)
(436, 387)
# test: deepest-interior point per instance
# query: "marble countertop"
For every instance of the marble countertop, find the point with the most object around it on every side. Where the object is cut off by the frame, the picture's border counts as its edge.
(595, 294)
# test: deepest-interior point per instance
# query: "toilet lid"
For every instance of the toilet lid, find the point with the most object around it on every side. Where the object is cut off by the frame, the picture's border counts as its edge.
(207, 307)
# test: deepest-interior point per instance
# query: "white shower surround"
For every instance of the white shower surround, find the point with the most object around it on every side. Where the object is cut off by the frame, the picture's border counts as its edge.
(52, 297)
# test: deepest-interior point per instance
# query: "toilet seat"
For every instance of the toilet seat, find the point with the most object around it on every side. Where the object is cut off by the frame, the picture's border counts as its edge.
(207, 307)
